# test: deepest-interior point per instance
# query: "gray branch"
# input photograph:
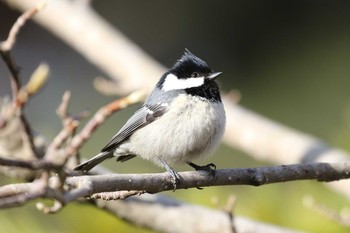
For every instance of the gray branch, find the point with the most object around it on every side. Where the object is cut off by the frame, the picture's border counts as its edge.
(154, 183)
(88, 185)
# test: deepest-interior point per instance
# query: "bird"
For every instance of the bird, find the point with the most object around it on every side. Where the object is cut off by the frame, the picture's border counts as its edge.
(183, 119)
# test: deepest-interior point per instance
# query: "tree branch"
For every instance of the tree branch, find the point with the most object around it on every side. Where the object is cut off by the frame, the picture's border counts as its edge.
(7, 45)
(153, 183)
(82, 186)
(158, 182)
(19, 194)
(33, 164)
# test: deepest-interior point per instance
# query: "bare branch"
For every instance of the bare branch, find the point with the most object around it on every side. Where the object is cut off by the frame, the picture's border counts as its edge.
(62, 110)
(19, 194)
(14, 189)
(33, 164)
(15, 81)
(154, 207)
(154, 183)
(7, 45)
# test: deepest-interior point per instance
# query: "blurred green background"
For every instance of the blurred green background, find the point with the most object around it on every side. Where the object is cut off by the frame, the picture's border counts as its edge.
(290, 61)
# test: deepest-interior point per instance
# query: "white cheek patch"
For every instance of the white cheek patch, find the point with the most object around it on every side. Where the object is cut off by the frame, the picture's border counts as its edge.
(173, 83)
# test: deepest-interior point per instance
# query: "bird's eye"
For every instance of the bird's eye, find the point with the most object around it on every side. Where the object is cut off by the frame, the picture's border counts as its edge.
(194, 75)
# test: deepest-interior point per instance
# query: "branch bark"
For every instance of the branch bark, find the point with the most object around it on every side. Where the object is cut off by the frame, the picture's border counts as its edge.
(82, 186)
(158, 182)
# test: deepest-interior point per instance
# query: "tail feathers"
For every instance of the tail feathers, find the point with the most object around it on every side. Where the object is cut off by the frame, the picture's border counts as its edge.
(88, 165)
(124, 158)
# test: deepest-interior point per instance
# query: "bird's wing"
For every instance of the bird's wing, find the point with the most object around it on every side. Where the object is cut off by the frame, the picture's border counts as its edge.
(142, 117)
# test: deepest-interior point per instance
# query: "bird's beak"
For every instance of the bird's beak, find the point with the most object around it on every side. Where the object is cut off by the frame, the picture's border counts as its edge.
(213, 75)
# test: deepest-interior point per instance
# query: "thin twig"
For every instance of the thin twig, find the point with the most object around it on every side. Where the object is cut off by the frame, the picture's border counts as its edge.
(10, 63)
(230, 205)
(7, 45)
(62, 110)
(34, 164)
(64, 134)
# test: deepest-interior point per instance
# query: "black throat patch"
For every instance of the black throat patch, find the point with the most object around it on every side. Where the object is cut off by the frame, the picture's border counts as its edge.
(209, 91)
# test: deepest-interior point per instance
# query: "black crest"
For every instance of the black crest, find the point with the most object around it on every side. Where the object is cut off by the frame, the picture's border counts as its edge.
(188, 64)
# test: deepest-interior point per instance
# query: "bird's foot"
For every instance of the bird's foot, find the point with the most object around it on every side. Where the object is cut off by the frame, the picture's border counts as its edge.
(174, 175)
(176, 178)
(210, 168)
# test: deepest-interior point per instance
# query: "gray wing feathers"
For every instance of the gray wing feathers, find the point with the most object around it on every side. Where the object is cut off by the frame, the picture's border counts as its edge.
(142, 117)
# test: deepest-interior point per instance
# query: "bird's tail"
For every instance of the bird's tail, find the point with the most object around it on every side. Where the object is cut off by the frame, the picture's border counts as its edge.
(88, 165)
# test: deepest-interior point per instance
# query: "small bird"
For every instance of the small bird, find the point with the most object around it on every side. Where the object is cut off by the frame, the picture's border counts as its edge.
(182, 119)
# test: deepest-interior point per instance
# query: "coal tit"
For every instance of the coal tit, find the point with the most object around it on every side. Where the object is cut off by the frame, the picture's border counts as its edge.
(182, 119)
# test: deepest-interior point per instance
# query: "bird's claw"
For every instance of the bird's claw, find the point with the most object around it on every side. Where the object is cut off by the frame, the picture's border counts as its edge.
(176, 180)
(174, 175)
(210, 168)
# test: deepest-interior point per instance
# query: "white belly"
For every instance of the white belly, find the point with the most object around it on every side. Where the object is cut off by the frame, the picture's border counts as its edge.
(182, 134)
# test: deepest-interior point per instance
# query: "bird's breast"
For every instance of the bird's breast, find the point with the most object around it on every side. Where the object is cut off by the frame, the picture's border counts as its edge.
(190, 128)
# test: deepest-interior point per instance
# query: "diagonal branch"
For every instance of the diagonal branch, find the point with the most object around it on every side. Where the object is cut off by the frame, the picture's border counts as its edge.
(7, 45)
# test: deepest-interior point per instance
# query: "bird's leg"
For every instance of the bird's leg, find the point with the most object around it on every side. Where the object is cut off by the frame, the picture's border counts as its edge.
(174, 175)
(210, 168)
